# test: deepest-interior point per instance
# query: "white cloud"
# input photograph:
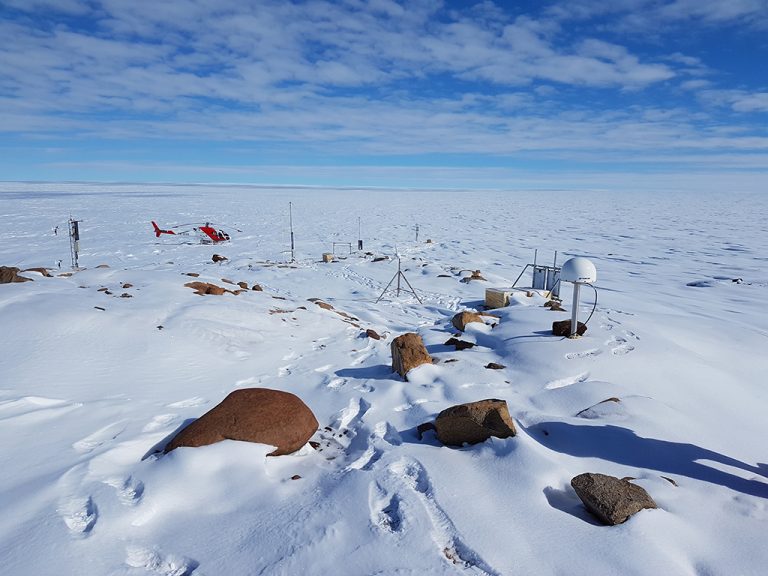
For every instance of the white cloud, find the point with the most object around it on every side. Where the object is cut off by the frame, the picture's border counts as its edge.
(738, 100)
(646, 15)
(375, 77)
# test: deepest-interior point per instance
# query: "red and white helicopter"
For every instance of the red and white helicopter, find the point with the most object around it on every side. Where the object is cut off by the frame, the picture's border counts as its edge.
(207, 233)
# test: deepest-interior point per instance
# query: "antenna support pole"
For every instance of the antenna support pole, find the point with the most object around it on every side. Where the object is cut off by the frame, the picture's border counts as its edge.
(290, 221)
(575, 311)
(74, 241)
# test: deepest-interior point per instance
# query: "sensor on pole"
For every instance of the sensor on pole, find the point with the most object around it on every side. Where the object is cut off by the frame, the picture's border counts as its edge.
(578, 271)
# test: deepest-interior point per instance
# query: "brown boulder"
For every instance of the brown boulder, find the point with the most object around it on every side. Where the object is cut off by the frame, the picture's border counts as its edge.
(554, 306)
(257, 288)
(474, 422)
(258, 415)
(461, 319)
(217, 258)
(243, 285)
(323, 305)
(10, 274)
(494, 366)
(408, 351)
(613, 500)
(43, 271)
(371, 333)
(563, 328)
(203, 288)
(459, 344)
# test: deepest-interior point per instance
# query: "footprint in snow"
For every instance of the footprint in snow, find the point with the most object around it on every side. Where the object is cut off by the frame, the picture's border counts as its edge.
(409, 405)
(79, 514)
(188, 403)
(98, 438)
(567, 381)
(154, 560)
(407, 482)
(158, 422)
(360, 359)
(384, 509)
(622, 349)
(334, 383)
(129, 490)
(584, 354)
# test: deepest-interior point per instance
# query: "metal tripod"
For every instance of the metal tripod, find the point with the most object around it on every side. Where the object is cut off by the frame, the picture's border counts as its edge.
(398, 275)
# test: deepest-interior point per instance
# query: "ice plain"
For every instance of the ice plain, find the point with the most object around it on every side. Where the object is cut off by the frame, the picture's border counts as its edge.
(679, 335)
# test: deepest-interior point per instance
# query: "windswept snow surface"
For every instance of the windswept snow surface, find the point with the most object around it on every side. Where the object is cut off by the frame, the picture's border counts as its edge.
(87, 396)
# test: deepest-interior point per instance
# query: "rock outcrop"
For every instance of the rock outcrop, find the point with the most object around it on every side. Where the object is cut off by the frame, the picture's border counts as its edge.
(474, 422)
(9, 274)
(408, 352)
(494, 366)
(459, 344)
(563, 328)
(258, 415)
(204, 288)
(43, 271)
(554, 306)
(218, 258)
(461, 319)
(613, 500)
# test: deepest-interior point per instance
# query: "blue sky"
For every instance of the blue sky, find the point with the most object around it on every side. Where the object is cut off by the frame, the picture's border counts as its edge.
(621, 94)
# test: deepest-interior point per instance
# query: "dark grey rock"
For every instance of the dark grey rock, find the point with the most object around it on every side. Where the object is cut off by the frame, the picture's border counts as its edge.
(613, 500)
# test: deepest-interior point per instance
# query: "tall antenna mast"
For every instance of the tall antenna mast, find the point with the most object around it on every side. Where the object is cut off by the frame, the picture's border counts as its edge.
(290, 220)
(417, 232)
(359, 234)
(74, 241)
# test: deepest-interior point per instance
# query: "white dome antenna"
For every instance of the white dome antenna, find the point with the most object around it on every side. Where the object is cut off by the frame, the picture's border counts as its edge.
(578, 271)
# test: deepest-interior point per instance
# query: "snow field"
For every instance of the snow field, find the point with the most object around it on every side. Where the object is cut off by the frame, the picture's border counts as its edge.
(88, 396)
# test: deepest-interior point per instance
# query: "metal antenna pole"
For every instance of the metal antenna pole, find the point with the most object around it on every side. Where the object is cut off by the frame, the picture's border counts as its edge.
(74, 241)
(575, 312)
(290, 220)
(359, 234)
(417, 232)
(399, 273)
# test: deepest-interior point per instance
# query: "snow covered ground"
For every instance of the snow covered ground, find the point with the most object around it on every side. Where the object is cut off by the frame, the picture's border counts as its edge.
(87, 395)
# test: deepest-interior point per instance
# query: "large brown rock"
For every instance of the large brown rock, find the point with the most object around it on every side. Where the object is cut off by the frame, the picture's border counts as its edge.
(474, 422)
(563, 328)
(43, 271)
(258, 415)
(461, 319)
(408, 351)
(204, 288)
(613, 500)
(10, 274)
